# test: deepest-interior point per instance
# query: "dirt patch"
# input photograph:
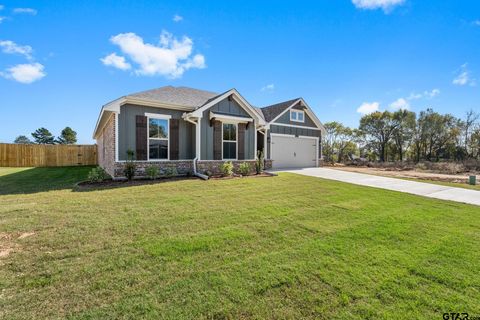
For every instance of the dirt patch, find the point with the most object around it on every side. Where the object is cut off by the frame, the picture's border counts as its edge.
(408, 174)
(26, 235)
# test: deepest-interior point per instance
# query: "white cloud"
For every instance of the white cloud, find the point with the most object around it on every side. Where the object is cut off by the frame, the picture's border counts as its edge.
(476, 23)
(11, 47)
(368, 107)
(268, 87)
(25, 73)
(432, 94)
(2, 18)
(177, 18)
(25, 10)
(400, 104)
(2, 6)
(426, 94)
(464, 77)
(170, 58)
(386, 5)
(116, 62)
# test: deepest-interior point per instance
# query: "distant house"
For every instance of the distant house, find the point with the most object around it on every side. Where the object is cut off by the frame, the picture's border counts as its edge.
(190, 129)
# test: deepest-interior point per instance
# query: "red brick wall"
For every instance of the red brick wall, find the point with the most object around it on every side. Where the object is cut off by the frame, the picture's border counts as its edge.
(106, 146)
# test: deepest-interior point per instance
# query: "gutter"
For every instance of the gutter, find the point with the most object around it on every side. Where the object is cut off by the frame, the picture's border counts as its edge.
(195, 173)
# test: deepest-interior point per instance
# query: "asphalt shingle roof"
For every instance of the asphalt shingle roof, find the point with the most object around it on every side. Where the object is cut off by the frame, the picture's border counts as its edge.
(270, 112)
(182, 96)
(195, 98)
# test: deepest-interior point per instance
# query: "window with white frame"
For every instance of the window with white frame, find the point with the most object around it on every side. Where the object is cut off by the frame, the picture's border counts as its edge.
(157, 138)
(229, 141)
(297, 115)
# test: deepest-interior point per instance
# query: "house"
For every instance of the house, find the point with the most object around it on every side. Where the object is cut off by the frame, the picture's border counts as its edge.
(196, 131)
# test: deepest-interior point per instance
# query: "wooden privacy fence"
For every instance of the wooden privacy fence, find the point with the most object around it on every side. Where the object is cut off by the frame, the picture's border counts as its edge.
(44, 155)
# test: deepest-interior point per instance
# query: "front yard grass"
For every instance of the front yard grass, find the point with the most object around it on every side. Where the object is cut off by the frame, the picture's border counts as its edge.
(284, 247)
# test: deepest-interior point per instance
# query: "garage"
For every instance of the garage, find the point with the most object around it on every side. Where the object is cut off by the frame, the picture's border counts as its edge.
(293, 152)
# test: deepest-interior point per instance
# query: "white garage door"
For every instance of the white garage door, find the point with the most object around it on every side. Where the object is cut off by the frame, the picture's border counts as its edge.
(292, 152)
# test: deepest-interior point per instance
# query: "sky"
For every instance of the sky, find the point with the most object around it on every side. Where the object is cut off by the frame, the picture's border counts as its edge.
(60, 61)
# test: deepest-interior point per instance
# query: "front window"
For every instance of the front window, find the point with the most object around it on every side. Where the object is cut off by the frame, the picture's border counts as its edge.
(229, 141)
(297, 116)
(157, 139)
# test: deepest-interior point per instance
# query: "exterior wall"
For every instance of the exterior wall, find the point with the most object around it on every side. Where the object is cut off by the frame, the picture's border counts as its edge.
(230, 108)
(127, 130)
(296, 132)
(285, 119)
(106, 146)
(214, 166)
(183, 167)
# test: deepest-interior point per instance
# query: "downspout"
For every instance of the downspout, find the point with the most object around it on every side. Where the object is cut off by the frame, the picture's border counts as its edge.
(195, 173)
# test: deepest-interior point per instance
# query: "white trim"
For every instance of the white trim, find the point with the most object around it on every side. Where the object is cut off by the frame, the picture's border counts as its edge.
(294, 126)
(116, 136)
(198, 137)
(236, 141)
(160, 117)
(294, 136)
(238, 98)
(229, 118)
(292, 111)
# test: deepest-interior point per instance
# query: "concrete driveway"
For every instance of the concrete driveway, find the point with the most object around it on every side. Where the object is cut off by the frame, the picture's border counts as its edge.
(413, 187)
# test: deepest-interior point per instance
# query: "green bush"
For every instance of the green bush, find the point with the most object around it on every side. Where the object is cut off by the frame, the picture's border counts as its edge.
(152, 171)
(244, 169)
(171, 172)
(259, 164)
(130, 166)
(227, 168)
(97, 174)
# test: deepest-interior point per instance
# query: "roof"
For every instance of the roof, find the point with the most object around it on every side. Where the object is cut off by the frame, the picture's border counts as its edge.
(182, 96)
(272, 111)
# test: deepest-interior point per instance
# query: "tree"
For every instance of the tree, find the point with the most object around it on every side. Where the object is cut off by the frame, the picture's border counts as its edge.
(403, 134)
(43, 136)
(22, 140)
(67, 136)
(338, 142)
(468, 125)
(379, 128)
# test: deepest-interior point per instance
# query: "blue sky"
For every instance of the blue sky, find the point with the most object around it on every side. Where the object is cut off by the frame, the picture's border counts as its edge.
(60, 61)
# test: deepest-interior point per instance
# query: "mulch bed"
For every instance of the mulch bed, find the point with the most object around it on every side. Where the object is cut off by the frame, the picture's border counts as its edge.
(108, 184)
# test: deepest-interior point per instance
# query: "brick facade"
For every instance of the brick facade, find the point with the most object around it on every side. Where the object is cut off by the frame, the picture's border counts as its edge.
(183, 167)
(214, 166)
(106, 146)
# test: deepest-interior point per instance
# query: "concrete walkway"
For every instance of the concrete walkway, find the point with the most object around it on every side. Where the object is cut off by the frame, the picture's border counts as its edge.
(413, 187)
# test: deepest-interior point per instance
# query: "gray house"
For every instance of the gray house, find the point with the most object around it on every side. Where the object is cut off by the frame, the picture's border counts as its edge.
(196, 131)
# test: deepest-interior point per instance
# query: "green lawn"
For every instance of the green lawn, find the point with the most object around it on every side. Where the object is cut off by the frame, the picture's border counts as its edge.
(283, 247)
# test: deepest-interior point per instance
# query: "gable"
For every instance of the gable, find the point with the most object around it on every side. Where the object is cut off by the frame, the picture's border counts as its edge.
(285, 118)
(227, 106)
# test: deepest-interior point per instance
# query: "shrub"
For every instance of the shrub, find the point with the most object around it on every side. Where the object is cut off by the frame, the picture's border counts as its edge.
(244, 168)
(227, 168)
(259, 164)
(97, 174)
(171, 172)
(152, 171)
(130, 166)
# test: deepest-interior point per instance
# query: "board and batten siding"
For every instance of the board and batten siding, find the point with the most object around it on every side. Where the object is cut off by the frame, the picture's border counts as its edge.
(285, 119)
(127, 130)
(231, 108)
